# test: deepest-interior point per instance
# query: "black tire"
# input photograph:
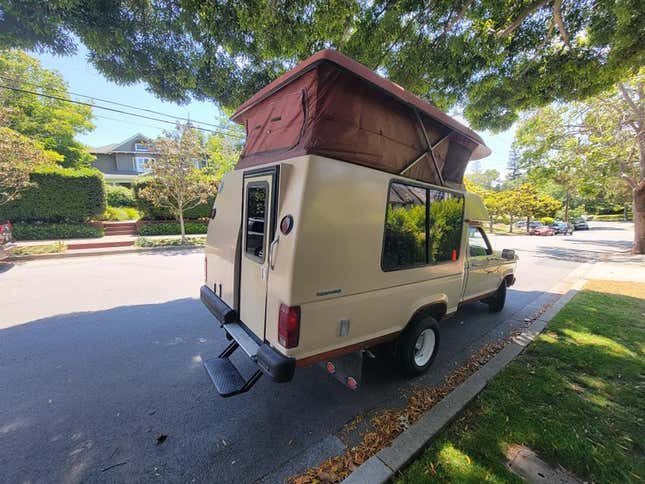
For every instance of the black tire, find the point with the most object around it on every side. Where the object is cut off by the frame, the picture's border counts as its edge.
(404, 348)
(496, 301)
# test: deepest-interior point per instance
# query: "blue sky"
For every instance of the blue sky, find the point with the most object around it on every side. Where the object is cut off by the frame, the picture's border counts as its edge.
(84, 79)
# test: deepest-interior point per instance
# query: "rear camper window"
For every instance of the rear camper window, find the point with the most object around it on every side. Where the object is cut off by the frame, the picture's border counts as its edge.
(256, 208)
(422, 226)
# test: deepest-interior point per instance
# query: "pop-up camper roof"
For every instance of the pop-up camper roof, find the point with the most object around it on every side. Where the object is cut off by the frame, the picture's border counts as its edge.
(331, 105)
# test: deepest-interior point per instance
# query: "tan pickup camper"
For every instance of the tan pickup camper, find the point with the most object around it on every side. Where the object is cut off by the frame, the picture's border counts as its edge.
(344, 226)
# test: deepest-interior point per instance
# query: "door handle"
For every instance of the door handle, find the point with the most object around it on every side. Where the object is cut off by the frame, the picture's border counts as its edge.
(272, 248)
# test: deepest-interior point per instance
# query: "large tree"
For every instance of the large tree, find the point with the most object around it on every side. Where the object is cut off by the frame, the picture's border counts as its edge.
(48, 119)
(493, 58)
(601, 139)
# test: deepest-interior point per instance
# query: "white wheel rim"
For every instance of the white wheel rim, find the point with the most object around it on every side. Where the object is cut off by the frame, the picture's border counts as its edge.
(424, 347)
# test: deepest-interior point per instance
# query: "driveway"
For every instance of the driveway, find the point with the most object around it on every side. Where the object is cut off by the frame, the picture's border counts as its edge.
(101, 356)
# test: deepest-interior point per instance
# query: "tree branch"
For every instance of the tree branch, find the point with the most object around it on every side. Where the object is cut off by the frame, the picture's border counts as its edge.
(452, 22)
(557, 15)
(520, 18)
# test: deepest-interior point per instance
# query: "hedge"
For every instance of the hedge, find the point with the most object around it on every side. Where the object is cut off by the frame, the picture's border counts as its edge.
(617, 217)
(55, 231)
(59, 195)
(118, 196)
(150, 212)
(171, 228)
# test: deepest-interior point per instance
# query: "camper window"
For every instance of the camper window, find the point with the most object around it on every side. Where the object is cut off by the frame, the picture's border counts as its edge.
(256, 208)
(422, 226)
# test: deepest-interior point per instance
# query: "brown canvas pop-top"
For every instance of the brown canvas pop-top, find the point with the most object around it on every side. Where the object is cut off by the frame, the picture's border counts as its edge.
(330, 105)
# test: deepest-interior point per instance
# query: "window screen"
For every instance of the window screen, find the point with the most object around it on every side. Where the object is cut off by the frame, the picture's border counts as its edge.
(256, 208)
(422, 226)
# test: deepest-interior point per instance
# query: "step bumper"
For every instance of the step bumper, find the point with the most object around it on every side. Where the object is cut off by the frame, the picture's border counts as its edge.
(272, 363)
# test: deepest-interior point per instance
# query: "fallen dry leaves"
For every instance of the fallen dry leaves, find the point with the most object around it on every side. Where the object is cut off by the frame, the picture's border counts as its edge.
(386, 425)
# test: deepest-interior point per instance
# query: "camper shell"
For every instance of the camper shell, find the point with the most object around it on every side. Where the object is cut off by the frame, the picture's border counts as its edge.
(344, 226)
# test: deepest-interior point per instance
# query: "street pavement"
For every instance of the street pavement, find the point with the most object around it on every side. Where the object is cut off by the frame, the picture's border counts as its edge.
(100, 358)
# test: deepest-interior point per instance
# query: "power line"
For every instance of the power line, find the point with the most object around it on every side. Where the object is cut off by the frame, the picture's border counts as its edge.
(116, 103)
(130, 122)
(73, 101)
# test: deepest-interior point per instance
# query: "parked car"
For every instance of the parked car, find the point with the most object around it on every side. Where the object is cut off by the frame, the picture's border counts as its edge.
(310, 258)
(580, 224)
(563, 228)
(542, 230)
(532, 225)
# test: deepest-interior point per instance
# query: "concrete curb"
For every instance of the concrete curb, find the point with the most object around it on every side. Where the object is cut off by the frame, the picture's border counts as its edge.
(93, 253)
(386, 463)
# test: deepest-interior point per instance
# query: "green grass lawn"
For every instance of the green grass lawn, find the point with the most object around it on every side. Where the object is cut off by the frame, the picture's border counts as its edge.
(170, 242)
(576, 397)
(54, 248)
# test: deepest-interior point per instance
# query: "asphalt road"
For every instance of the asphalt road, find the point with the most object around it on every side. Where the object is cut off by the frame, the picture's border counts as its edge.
(100, 356)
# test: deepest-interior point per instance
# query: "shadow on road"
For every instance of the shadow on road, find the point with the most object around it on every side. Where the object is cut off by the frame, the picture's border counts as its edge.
(83, 392)
(5, 266)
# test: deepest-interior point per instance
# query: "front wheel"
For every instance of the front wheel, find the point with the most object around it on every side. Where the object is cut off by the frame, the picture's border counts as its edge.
(416, 348)
(496, 301)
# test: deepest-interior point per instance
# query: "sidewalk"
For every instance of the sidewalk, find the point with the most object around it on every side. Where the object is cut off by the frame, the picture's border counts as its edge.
(110, 238)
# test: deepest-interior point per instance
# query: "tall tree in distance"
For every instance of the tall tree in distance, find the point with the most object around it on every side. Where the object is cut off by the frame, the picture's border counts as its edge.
(595, 141)
(177, 184)
(513, 168)
(494, 59)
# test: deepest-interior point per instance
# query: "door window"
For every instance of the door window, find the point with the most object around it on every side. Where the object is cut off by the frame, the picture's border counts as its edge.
(478, 244)
(256, 211)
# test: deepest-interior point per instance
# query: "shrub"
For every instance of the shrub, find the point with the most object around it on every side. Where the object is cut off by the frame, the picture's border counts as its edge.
(118, 196)
(55, 231)
(150, 212)
(143, 242)
(60, 195)
(616, 217)
(171, 228)
(120, 213)
(547, 220)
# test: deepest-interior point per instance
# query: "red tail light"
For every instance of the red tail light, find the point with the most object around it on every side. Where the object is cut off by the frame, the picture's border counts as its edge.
(289, 326)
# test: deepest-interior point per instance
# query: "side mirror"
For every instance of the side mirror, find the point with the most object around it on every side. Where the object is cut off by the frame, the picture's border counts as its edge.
(508, 254)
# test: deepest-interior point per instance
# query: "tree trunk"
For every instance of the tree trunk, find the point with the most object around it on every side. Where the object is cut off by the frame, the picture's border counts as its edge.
(566, 206)
(490, 223)
(638, 201)
(181, 225)
(528, 222)
(510, 227)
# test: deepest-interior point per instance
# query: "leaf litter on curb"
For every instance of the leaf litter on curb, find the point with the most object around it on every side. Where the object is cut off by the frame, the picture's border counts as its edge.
(386, 425)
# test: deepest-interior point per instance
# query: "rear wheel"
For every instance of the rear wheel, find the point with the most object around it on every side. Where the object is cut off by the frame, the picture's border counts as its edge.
(416, 348)
(497, 300)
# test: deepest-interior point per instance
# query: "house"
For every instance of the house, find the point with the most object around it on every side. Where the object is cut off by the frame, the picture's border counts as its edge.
(121, 163)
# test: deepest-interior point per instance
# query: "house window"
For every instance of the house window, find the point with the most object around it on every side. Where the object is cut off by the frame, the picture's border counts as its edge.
(198, 164)
(140, 147)
(141, 163)
(422, 226)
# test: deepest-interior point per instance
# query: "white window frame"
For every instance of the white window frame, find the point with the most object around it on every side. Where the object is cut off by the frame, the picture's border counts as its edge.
(137, 160)
(141, 147)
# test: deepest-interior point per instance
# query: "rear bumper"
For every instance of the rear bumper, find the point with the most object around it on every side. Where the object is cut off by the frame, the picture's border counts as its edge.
(272, 363)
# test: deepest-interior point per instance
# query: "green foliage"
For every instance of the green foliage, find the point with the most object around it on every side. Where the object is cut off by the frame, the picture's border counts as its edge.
(497, 58)
(616, 217)
(51, 122)
(59, 195)
(150, 212)
(445, 224)
(405, 237)
(118, 196)
(120, 213)
(172, 228)
(55, 231)
(574, 397)
(488, 179)
(189, 241)
(547, 220)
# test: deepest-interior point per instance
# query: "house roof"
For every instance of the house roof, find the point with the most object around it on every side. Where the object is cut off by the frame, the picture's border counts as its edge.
(111, 148)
